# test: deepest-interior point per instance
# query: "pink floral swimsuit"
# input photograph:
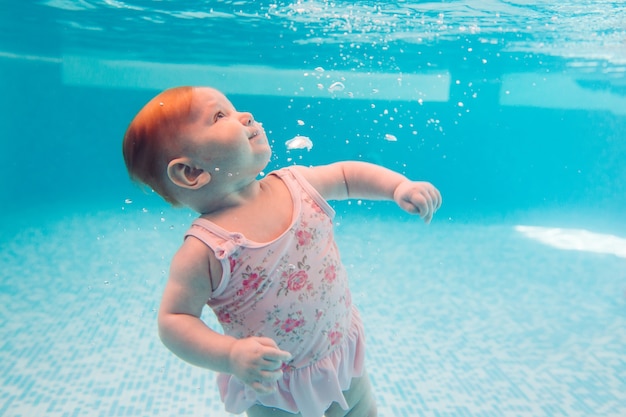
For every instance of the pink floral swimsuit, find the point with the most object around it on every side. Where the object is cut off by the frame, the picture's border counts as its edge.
(294, 290)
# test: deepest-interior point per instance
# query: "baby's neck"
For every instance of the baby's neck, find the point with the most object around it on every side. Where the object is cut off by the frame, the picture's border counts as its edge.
(213, 200)
(262, 217)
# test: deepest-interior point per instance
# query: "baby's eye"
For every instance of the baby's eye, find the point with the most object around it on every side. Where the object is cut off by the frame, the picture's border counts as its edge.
(218, 115)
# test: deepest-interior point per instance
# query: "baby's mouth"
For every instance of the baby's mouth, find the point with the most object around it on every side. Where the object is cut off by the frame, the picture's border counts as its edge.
(257, 131)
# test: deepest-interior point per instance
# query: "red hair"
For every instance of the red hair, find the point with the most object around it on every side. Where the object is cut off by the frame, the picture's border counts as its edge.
(151, 140)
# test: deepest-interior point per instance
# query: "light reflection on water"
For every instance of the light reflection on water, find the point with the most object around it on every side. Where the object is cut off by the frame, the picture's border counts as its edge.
(363, 31)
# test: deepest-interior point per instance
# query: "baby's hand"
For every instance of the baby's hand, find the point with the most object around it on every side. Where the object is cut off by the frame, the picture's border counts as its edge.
(418, 198)
(257, 362)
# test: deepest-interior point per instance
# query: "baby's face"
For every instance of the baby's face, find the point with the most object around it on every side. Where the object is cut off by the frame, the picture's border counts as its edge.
(221, 139)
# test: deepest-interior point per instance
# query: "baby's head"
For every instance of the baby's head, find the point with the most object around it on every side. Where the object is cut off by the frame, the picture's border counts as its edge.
(152, 139)
(190, 139)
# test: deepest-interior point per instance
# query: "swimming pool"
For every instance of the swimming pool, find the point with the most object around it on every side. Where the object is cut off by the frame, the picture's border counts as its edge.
(512, 303)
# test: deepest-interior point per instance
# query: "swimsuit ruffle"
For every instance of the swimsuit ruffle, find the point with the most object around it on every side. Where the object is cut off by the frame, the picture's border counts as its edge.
(309, 390)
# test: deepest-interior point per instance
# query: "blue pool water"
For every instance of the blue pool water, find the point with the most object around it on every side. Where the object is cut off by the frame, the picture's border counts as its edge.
(511, 303)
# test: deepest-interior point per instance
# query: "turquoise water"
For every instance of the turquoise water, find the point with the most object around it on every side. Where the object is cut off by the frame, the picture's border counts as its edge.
(512, 303)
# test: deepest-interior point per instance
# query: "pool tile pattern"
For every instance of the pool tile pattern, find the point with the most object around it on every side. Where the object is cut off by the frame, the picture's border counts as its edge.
(461, 320)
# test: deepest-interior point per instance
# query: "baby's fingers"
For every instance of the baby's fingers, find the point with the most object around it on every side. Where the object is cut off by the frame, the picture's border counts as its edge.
(265, 383)
(435, 195)
(277, 357)
(419, 203)
(263, 388)
(427, 212)
(273, 353)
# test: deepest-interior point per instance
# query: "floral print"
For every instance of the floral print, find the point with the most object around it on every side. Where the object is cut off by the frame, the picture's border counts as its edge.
(304, 237)
(252, 280)
(297, 281)
(224, 317)
(335, 337)
(294, 289)
(295, 278)
(330, 274)
(291, 327)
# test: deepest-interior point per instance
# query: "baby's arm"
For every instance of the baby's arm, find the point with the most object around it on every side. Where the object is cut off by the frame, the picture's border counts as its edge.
(256, 361)
(352, 179)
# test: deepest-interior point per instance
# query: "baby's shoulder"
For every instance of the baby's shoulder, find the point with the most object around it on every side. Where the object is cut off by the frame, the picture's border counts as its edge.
(190, 278)
(194, 259)
(328, 180)
(194, 247)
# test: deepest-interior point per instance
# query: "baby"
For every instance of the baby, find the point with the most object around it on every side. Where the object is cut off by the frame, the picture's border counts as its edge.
(262, 255)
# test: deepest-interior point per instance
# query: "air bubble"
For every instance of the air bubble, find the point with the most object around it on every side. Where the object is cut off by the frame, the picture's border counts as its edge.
(299, 142)
(336, 87)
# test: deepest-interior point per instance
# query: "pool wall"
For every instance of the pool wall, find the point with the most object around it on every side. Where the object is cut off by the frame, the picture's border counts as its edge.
(495, 146)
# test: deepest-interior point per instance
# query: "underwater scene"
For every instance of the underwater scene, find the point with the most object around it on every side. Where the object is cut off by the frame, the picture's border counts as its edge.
(510, 303)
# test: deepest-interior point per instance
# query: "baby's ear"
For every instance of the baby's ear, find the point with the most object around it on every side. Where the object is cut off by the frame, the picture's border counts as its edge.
(182, 173)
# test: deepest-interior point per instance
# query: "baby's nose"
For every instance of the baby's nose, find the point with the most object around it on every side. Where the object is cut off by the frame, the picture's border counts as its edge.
(247, 118)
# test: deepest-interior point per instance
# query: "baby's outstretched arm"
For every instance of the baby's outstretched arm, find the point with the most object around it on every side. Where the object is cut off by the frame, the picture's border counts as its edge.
(256, 361)
(353, 179)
